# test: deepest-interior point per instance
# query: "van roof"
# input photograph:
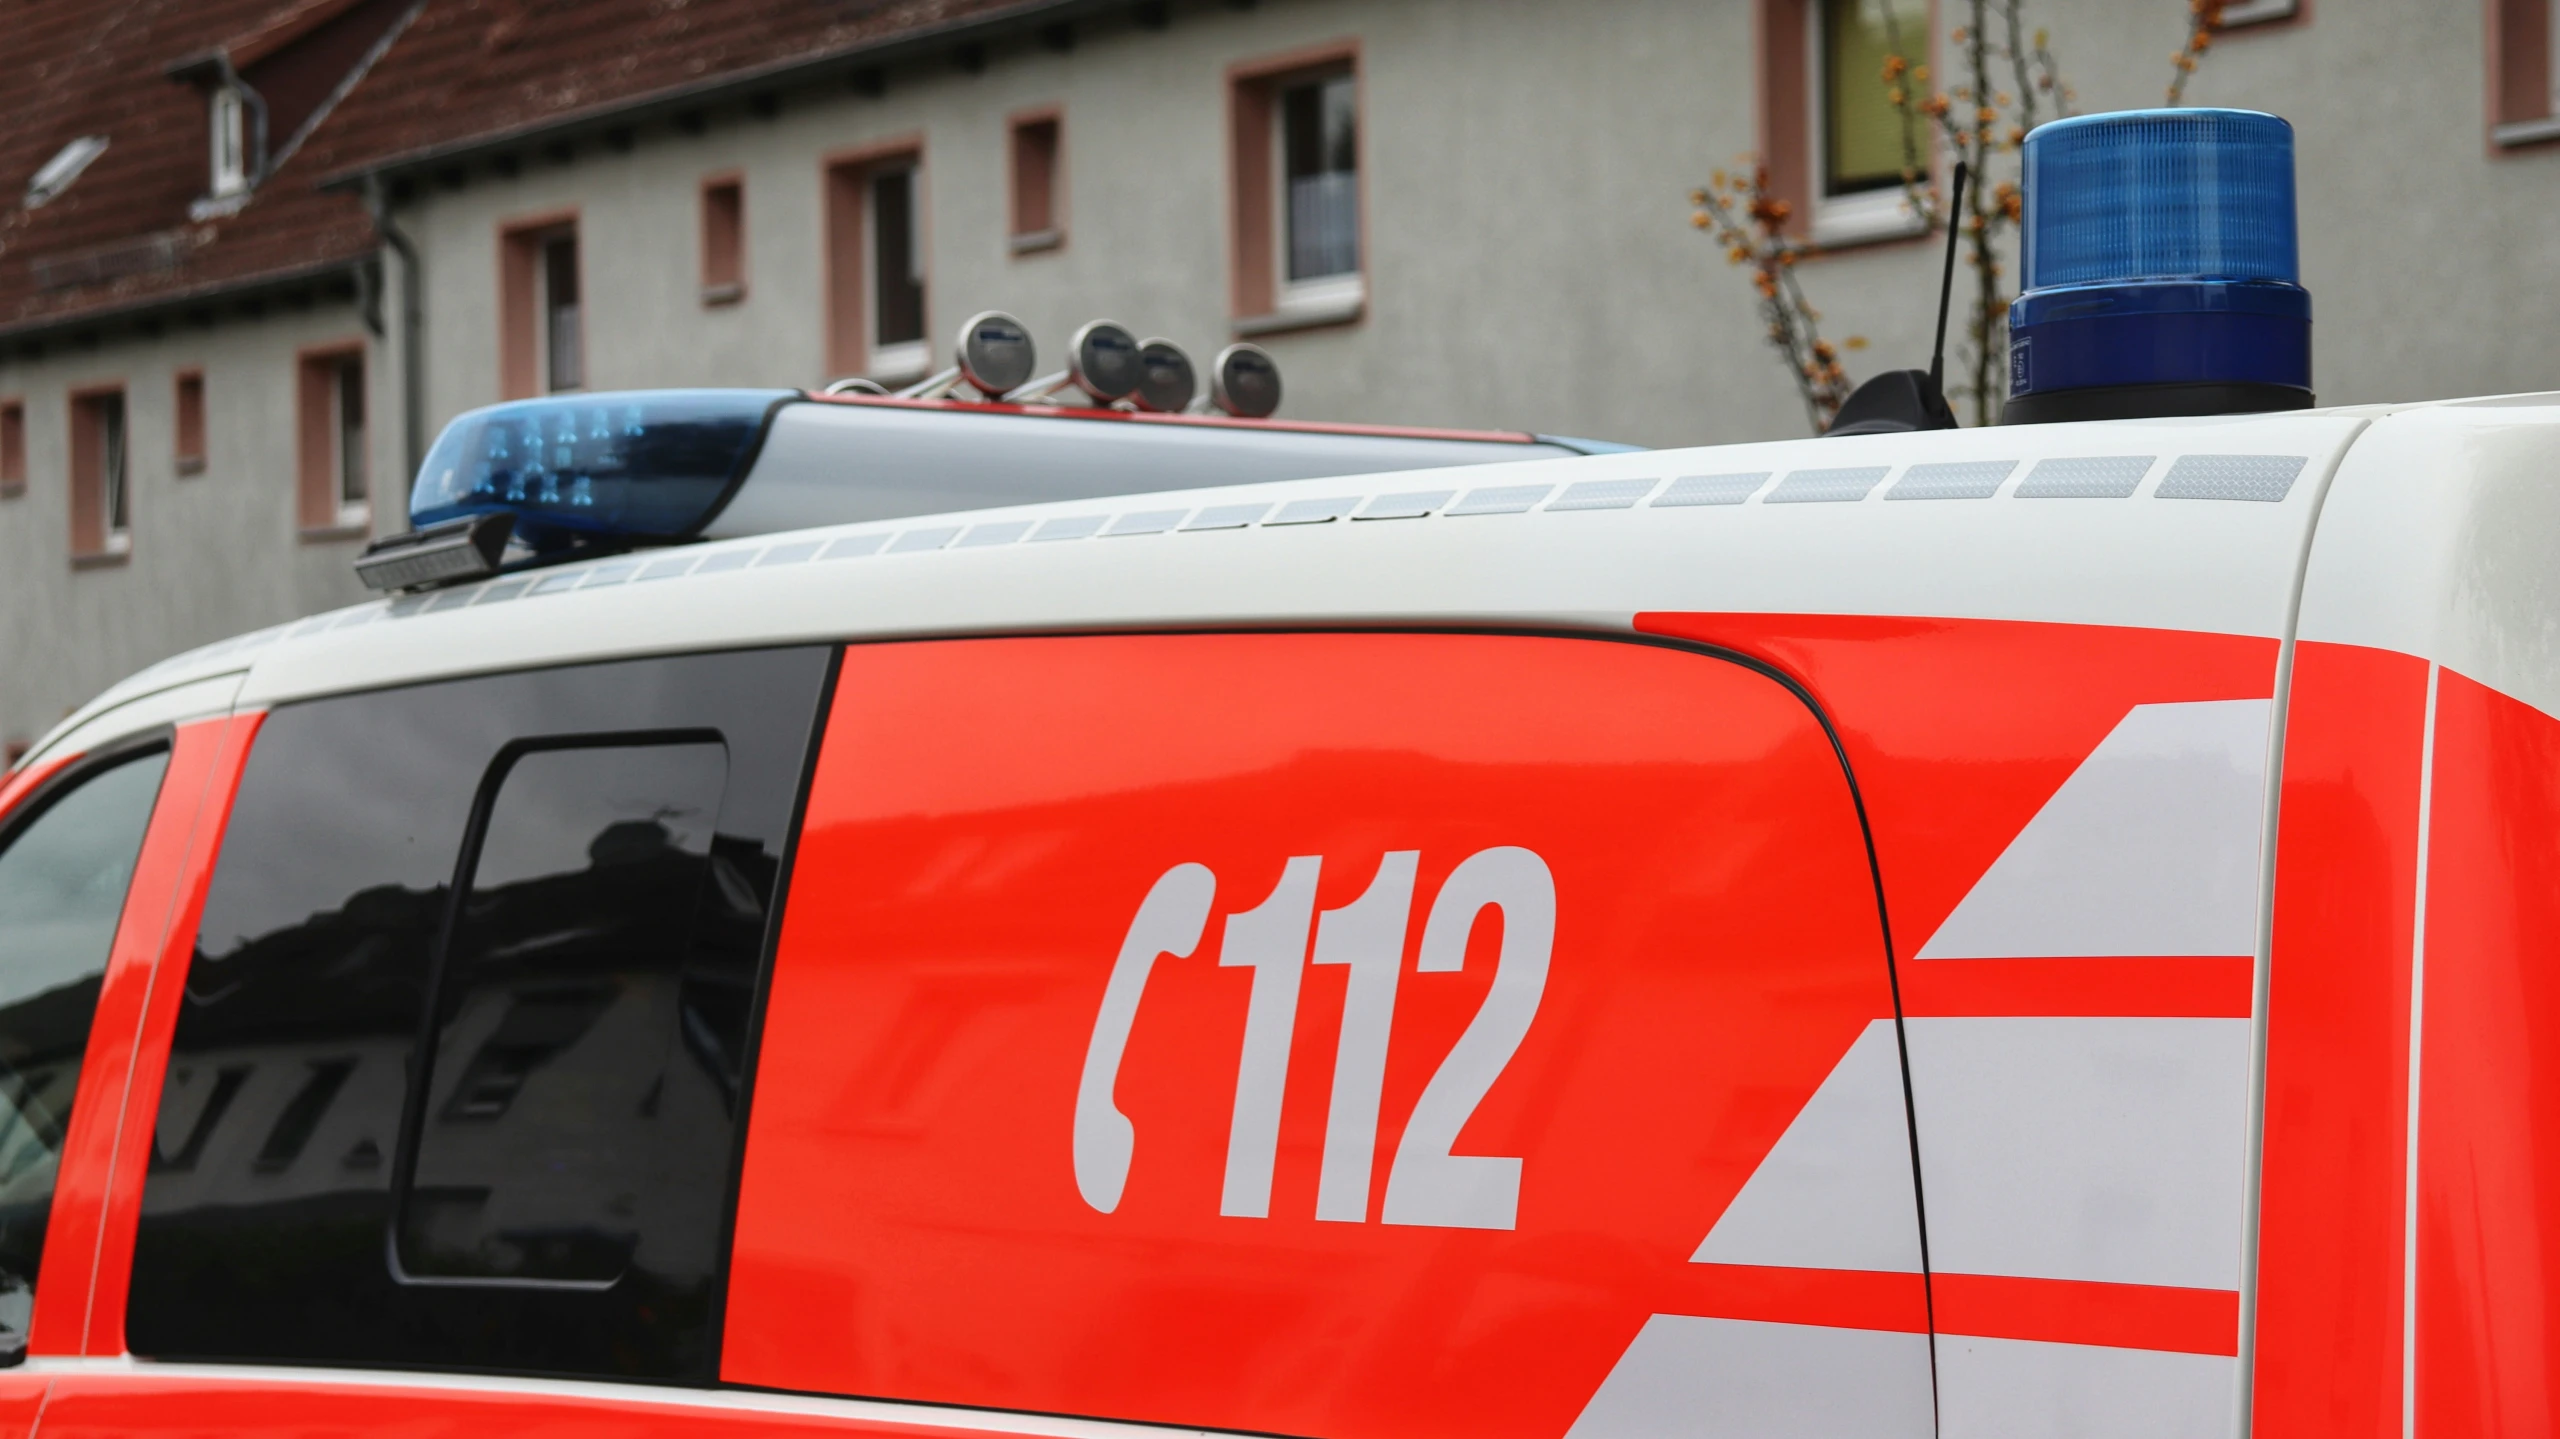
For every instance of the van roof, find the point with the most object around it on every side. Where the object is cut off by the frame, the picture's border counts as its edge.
(2190, 524)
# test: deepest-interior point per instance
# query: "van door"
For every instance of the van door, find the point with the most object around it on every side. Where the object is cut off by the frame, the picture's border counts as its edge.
(1341, 1035)
(2068, 822)
(456, 1077)
(69, 849)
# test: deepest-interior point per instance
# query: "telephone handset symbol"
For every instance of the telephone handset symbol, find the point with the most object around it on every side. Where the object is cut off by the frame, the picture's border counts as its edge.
(1169, 922)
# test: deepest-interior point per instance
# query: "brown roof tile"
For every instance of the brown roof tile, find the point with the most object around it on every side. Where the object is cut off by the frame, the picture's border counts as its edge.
(120, 238)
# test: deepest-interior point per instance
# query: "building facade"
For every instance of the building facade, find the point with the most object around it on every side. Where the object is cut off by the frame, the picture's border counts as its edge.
(1449, 212)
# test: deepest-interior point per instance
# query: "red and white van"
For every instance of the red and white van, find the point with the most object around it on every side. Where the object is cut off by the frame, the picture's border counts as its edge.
(2028, 931)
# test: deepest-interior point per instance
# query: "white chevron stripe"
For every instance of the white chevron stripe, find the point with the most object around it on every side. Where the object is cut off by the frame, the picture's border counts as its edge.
(2018, 1389)
(2149, 848)
(1835, 1192)
(1687, 1378)
(2097, 1149)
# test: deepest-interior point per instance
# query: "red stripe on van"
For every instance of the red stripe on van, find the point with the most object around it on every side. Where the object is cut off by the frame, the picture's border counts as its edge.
(2145, 987)
(2075, 1311)
(1833, 1298)
(97, 1200)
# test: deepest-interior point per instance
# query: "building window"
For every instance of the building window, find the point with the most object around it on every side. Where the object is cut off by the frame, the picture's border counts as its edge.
(13, 448)
(724, 240)
(1858, 133)
(332, 455)
(563, 351)
(1320, 160)
(101, 492)
(2524, 72)
(542, 325)
(190, 422)
(876, 270)
(1298, 228)
(1039, 201)
(230, 116)
(897, 274)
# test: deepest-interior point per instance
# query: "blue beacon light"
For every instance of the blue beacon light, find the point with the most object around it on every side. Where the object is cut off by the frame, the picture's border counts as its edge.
(635, 467)
(2161, 274)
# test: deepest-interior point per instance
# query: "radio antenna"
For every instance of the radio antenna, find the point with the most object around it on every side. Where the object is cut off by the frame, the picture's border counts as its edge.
(1947, 282)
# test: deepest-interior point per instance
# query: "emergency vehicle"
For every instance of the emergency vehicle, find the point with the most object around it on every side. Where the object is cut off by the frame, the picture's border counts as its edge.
(2035, 930)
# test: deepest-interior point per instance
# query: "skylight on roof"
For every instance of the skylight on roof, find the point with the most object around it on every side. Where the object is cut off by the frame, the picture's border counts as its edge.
(63, 168)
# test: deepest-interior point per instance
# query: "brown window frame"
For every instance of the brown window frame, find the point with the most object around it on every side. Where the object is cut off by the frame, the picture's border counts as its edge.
(1036, 180)
(13, 447)
(320, 505)
(845, 178)
(95, 540)
(186, 426)
(723, 200)
(2524, 109)
(1790, 132)
(524, 361)
(1256, 289)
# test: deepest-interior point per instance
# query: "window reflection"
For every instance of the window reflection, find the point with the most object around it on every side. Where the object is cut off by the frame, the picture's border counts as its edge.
(553, 1037)
(594, 1022)
(62, 888)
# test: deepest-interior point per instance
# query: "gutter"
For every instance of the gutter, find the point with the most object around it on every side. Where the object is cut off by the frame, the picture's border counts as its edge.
(413, 324)
(798, 70)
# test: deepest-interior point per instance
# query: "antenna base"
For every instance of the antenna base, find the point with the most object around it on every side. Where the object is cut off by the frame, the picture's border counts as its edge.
(1891, 403)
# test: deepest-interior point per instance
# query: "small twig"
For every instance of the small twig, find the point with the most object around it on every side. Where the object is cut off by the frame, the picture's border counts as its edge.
(1751, 224)
(2204, 21)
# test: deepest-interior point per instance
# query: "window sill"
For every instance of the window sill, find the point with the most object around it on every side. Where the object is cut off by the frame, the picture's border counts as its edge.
(2515, 134)
(2259, 12)
(102, 559)
(1336, 304)
(190, 464)
(1034, 241)
(1869, 219)
(728, 294)
(335, 534)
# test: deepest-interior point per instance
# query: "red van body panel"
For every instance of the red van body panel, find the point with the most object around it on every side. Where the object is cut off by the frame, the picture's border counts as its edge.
(2488, 1314)
(911, 1223)
(79, 1306)
(2330, 1255)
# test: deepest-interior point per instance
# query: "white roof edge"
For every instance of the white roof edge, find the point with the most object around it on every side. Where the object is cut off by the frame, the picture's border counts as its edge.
(2138, 559)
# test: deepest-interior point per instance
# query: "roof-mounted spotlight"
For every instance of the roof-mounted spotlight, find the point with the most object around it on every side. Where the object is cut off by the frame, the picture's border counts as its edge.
(995, 355)
(1244, 381)
(463, 549)
(1102, 361)
(1170, 381)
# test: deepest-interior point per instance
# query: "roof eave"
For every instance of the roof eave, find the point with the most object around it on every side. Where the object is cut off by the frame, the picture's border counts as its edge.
(736, 84)
(141, 306)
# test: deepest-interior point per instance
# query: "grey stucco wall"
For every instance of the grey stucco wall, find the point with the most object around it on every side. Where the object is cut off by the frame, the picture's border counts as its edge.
(214, 553)
(1529, 259)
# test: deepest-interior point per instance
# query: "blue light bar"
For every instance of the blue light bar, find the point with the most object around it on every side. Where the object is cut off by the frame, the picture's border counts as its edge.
(2161, 269)
(639, 465)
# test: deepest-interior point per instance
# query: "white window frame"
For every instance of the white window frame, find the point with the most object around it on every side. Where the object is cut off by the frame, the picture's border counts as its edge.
(907, 360)
(1859, 219)
(2258, 12)
(1325, 299)
(228, 114)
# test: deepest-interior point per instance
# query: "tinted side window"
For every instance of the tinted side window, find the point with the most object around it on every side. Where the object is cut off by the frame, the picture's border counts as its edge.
(550, 1197)
(62, 885)
(560, 1007)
